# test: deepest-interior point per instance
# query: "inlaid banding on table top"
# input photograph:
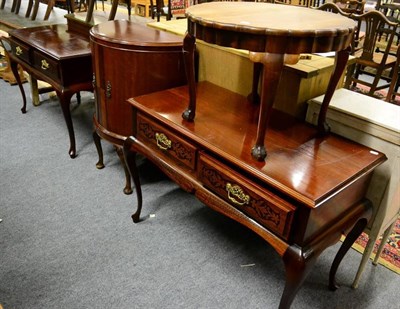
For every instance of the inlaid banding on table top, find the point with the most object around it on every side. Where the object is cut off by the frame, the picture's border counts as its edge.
(266, 27)
(265, 18)
(136, 36)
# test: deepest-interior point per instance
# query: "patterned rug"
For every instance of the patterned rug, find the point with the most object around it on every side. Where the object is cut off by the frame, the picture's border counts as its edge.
(390, 256)
(381, 94)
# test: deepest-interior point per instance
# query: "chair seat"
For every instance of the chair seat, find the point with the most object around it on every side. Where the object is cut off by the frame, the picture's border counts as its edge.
(369, 58)
(377, 61)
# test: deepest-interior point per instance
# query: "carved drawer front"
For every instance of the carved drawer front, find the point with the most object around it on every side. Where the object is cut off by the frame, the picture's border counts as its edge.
(46, 65)
(20, 50)
(264, 207)
(165, 141)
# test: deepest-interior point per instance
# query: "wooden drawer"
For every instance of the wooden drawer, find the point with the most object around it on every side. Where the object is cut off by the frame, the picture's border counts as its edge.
(266, 208)
(46, 65)
(165, 141)
(20, 50)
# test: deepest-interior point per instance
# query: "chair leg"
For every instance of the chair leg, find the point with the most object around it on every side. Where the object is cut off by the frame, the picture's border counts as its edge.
(34, 90)
(14, 4)
(152, 14)
(374, 84)
(50, 5)
(169, 13)
(3, 3)
(383, 242)
(394, 84)
(35, 9)
(29, 9)
(128, 3)
(71, 6)
(365, 257)
(17, 6)
(349, 75)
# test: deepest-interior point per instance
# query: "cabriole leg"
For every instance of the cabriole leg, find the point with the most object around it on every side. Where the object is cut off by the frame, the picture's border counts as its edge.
(297, 268)
(128, 186)
(130, 159)
(97, 142)
(346, 245)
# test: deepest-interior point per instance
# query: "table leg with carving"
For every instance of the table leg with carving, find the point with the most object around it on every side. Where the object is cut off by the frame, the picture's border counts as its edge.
(97, 143)
(65, 99)
(128, 186)
(348, 242)
(272, 70)
(254, 97)
(130, 159)
(189, 46)
(14, 69)
(339, 67)
(297, 266)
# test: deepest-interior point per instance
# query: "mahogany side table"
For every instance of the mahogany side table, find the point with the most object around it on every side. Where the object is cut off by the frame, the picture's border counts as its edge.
(59, 57)
(129, 60)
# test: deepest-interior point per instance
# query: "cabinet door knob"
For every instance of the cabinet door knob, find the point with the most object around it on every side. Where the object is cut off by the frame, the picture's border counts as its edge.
(236, 194)
(108, 90)
(162, 141)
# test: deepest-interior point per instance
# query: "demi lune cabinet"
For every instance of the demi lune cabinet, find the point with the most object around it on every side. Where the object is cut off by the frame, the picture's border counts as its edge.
(129, 59)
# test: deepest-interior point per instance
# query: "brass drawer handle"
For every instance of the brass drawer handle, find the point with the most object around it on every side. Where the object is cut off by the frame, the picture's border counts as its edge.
(45, 65)
(18, 51)
(236, 194)
(162, 141)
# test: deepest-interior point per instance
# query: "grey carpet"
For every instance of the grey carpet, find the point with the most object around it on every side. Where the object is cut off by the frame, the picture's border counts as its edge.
(67, 239)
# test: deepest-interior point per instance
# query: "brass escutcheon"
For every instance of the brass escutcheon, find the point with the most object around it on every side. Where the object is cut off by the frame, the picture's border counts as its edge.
(108, 90)
(162, 141)
(236, 194)
(45, 65)
(18, 51)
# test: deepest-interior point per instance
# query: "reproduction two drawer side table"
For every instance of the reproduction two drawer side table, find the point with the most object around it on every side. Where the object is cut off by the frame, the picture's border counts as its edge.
(129, 60)
(310, 188)
(300, 200)
(57, 56)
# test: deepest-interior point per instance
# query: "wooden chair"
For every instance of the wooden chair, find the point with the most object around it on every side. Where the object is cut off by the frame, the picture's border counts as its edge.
(392, 12)
(351, 6)
(368, 57)
(50, 4)
(332, 7)
(395, 83)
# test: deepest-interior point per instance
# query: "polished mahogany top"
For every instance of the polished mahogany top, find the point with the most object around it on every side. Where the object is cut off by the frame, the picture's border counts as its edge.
(267, 27)
(300, 164)
(123, 32)
(55, 41)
